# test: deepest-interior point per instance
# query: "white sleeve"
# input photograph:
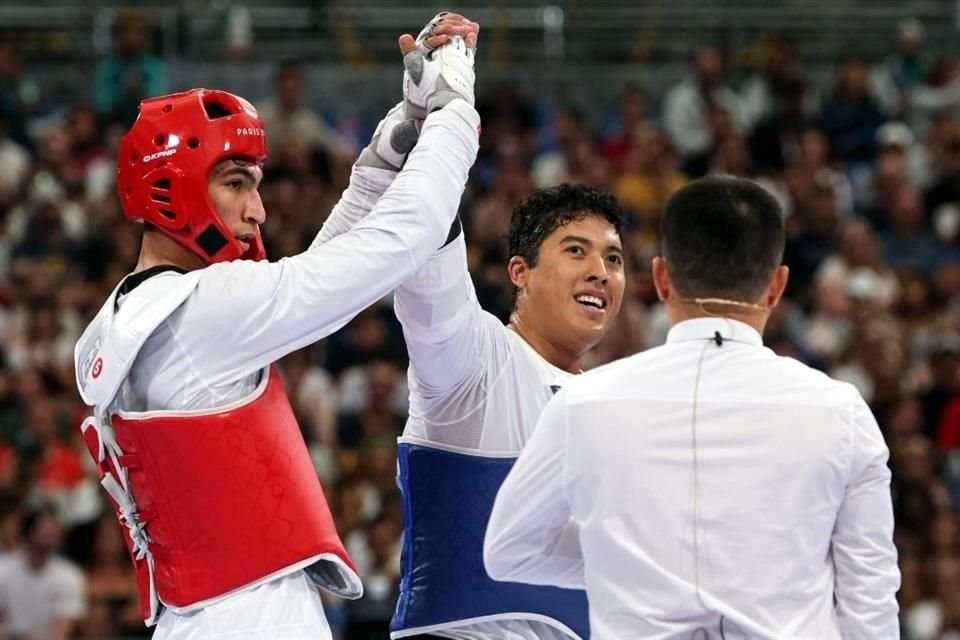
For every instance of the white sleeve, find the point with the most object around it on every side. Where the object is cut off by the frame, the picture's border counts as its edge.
(447, 338)
(532, 536)
(864, 556)
(366, 186)
(245, 314)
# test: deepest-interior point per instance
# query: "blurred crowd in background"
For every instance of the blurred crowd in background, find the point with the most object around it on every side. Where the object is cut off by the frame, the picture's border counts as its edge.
(867, 169)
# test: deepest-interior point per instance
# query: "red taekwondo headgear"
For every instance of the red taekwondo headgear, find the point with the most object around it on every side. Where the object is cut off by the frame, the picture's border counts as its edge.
(166, 158)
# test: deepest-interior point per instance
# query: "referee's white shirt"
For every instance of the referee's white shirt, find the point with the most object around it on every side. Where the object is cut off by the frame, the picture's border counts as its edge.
(772, 518)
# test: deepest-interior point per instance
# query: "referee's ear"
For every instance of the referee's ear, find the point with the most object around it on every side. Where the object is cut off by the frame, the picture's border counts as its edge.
(661, 281)
(519, 272)
(777, 286)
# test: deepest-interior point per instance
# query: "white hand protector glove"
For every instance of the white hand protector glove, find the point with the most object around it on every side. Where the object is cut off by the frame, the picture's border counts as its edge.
(394, 138)
(435, 77)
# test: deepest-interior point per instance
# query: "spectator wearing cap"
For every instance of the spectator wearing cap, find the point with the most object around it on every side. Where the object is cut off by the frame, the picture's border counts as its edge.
(895, 137)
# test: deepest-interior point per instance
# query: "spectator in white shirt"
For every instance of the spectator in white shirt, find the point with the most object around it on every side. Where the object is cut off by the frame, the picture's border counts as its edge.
(708, 488)
(41, 594)
(691, 106)
(288, 120)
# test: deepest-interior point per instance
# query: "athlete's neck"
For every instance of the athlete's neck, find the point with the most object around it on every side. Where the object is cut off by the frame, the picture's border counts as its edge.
(159, 249)
(553, 353)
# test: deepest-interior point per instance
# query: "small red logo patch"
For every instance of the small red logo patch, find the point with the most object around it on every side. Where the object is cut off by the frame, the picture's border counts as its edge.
(97, 368)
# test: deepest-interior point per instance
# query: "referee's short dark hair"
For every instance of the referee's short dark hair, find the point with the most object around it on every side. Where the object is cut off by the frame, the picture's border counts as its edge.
(722, 237)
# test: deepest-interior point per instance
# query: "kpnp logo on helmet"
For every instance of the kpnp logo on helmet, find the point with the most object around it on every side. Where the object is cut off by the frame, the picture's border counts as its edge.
(159, 154)
(249, 131)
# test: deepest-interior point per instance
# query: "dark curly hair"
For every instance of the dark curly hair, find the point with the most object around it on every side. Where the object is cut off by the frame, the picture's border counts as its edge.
(548, 209)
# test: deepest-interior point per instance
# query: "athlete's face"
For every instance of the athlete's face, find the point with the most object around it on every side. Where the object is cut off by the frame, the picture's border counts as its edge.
(574, 292)
(233, 188)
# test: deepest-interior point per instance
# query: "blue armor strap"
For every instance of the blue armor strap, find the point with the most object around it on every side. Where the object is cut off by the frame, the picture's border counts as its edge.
(448, 495)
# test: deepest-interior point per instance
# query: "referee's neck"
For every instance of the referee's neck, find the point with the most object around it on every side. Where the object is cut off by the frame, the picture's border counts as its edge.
(677, 313)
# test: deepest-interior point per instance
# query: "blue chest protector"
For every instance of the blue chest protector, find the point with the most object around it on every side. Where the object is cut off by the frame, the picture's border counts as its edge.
(447, 499)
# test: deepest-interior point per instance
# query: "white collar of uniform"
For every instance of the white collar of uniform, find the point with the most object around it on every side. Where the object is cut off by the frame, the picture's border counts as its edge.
(705, 329)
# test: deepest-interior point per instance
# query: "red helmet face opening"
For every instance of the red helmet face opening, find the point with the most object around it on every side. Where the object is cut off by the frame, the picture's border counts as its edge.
(166, 158)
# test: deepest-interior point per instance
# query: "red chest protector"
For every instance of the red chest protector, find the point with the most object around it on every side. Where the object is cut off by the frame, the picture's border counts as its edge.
(216, 501)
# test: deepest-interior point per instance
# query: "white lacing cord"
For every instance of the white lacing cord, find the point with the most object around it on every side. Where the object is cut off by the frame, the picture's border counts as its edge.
(128, 515)
(119, 487)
